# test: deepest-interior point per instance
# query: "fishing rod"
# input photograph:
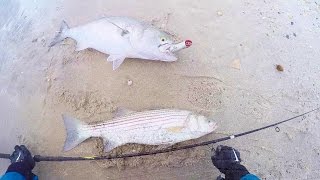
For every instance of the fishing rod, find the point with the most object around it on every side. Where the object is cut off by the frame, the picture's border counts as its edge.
(39, 158)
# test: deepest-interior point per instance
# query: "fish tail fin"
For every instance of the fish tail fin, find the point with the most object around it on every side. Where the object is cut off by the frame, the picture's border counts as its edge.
(75, 133)
(60, 36)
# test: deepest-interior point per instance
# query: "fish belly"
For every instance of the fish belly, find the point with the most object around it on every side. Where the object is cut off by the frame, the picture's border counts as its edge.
(102, 36)
(150, 127)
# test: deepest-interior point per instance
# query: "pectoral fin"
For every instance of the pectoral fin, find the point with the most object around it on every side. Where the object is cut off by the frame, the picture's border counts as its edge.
(123, 31)
(117, 60)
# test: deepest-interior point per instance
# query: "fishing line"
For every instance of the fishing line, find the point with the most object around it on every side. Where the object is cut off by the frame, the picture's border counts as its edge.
(39, 158)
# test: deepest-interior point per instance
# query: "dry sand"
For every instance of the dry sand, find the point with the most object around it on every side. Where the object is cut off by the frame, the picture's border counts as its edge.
(229, 73)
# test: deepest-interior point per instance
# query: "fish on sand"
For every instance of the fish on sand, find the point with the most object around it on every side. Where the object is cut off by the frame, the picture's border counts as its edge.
(122, 37)
(154, 127)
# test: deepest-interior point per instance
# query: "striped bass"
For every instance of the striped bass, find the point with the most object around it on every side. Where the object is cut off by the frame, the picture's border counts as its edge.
(154, 127)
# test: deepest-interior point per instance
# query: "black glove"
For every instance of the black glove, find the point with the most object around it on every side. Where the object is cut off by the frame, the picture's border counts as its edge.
(22, 162)
(22, 154)
(227, 160)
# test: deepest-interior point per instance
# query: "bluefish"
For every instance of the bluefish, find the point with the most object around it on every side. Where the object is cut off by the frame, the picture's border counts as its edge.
(122, 37)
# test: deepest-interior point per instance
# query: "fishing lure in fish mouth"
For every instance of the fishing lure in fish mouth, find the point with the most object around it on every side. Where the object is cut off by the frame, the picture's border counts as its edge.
(171, 48)
(121, 38)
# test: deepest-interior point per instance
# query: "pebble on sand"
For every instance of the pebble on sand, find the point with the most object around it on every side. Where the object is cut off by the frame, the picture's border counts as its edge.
(130, 82)
(219, 13)
(279, 67)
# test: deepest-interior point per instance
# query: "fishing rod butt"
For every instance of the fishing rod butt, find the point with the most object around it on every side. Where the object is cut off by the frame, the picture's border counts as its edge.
(4, 156)
(37, 158)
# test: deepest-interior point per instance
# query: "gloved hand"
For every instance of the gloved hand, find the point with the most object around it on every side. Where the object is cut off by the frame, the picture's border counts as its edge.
(227, 160)
(22, 162)
(22, 154)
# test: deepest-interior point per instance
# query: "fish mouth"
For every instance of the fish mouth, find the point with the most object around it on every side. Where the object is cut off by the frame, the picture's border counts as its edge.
(169, 49)
(165, 49)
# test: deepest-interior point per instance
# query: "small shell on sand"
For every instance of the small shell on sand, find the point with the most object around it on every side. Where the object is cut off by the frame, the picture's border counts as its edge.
(130, 82)
(236, 64)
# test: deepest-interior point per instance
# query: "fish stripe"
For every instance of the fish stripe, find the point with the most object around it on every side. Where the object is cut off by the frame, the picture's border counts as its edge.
(105, 130)
(140, 122)
(147, 114)
(158, 121)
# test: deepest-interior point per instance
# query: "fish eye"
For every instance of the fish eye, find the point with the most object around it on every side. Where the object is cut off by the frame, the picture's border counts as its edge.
(163, 39)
